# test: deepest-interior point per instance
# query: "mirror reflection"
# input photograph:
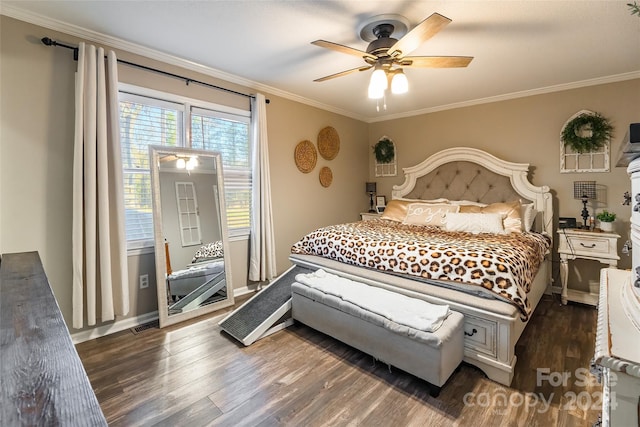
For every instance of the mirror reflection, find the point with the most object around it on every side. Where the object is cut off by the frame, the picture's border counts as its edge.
(192, 262)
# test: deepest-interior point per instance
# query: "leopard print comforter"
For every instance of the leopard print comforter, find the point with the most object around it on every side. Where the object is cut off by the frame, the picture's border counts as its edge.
(504, 264)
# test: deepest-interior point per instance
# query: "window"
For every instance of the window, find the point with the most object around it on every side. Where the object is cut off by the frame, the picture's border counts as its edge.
(153, 118)
(229, 136)
(188, 214)
(144, 122)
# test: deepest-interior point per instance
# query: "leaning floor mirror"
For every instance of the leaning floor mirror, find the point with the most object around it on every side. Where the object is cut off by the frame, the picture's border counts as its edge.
(191, 242)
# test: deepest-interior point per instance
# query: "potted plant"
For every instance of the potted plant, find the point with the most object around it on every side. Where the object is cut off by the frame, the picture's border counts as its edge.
(606, 220)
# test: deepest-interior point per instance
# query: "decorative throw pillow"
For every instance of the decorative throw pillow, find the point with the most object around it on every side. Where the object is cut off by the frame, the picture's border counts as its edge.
(428, 213)
(396, 209)
(475, 222)
(528, 214)
(209, 251)
(511, 211)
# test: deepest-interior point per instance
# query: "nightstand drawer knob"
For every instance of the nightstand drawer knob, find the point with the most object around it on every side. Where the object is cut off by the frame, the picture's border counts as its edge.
(473, 332)
(593, 245)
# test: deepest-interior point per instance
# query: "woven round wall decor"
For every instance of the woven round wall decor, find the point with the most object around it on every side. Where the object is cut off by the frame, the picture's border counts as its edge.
(328, 143)
(326, 176)
(305, 156)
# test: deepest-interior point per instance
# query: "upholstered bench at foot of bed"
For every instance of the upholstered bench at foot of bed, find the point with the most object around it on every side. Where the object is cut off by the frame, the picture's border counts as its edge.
(431, 356)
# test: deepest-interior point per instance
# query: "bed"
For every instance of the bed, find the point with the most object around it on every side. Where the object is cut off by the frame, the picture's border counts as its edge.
(203, 278)
(497, 302)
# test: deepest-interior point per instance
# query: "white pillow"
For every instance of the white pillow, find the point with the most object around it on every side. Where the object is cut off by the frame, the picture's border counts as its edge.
(467, 203)
(428, 213)
(475, 222)
(528, 214)
(441, 200)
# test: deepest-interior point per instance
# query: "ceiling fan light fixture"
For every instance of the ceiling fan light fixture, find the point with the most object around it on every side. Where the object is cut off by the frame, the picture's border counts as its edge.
(399, 82)
(180, 163)
(375, 92)
(379, 79)
(192, 163)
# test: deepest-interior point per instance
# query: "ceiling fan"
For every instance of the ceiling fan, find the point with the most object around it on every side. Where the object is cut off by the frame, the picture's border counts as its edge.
(389, 55)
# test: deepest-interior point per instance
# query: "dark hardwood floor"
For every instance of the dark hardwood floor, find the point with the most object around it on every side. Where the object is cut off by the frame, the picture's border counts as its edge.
(195, 375)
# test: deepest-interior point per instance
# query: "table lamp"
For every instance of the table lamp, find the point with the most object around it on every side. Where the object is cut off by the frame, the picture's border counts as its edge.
(371, 189)
(584, 190)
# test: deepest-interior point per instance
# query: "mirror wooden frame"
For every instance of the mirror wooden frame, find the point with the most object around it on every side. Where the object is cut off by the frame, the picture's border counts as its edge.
(155, 152)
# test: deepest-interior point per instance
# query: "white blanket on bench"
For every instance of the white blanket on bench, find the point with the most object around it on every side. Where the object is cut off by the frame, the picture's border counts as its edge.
(412, 312)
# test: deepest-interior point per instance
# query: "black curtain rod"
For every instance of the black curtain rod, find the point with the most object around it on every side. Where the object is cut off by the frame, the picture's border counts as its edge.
(49, 42)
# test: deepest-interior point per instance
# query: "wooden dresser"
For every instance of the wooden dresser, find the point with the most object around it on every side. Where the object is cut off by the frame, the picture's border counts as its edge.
(43, 381)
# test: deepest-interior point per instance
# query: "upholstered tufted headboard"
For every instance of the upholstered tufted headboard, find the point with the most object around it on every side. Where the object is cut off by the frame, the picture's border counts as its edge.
(464, 181)
(464, 173)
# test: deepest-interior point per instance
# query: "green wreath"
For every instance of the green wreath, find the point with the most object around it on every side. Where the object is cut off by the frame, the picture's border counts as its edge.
(384, 151)
(601, 132)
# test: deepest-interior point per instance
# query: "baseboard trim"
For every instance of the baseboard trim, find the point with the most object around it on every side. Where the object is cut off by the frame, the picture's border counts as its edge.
(112, 328)
(132, 322)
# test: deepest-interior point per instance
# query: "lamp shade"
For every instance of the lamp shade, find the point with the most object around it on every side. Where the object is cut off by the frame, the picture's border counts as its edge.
(375, 92)
(371, 187)
(584, 189)
(379, 79)
(399, 83)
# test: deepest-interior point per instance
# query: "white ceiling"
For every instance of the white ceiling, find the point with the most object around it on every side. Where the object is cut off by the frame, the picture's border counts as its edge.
(520, 47)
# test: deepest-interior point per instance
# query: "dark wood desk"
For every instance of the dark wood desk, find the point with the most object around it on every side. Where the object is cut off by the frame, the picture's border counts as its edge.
(42, 379)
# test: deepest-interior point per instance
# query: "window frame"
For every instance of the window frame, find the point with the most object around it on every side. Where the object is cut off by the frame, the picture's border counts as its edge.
(130, 92)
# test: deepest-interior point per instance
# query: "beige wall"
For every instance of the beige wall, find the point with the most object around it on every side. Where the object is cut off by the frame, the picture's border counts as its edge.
(36, 149)
(525, 130)
(36, 137)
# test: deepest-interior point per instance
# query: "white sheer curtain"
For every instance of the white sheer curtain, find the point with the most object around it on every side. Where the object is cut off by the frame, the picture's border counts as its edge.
(262, 258)
(99, 244)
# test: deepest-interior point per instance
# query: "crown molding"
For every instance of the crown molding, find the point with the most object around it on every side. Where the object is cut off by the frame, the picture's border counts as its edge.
(114, 42)
(12, 11)
(514, 95)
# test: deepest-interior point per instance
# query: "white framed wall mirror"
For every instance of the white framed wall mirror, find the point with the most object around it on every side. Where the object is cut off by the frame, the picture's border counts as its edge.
(191, 241)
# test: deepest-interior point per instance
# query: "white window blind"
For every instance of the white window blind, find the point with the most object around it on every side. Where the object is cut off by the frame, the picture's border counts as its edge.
(150, 117)
(228, 134)
(144, 121)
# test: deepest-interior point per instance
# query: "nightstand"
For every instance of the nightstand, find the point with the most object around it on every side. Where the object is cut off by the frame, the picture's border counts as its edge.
(584, 244)
(366, 216)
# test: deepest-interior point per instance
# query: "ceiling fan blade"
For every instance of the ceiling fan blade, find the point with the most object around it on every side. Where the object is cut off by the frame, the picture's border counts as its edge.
(342, 73)
(435, 61)
(343, 49)
(421, 33)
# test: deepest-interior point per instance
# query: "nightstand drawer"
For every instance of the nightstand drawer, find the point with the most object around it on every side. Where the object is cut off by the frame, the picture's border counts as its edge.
(480, 334)
(588, 244)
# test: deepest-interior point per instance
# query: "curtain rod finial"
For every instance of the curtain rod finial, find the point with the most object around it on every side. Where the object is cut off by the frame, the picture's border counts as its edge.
(47, 41)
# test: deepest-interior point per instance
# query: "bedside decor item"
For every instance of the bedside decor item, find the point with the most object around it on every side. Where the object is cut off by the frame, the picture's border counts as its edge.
(587, 132)
(585, 143)
(328, 143)
(305, 156)
(384, 152)
(371, 189)
(381, 204)
(584, 190)
(606, 219)
(326, 176)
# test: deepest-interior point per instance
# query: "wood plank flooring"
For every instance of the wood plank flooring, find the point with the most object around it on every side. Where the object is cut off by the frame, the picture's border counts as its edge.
(195, 375)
